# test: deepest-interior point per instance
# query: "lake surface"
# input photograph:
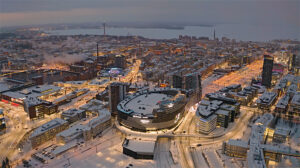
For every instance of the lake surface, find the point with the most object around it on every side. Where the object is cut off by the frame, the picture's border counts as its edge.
(237, 31)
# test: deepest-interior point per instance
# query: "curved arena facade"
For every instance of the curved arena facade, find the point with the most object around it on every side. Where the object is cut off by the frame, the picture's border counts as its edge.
(150, 110)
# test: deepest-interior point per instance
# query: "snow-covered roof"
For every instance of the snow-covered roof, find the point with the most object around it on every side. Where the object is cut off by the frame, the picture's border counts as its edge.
(146, 103)
(73, 131)
(48, 126)
(140, 146)
(239, 143)
(296, 99)
(104, 115)
(71, 112)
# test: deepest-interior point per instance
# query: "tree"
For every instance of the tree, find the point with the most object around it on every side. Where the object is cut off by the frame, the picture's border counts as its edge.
(3, 164)
(7, 162)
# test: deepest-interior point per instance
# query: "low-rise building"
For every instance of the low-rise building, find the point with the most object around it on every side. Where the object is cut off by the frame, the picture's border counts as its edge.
(74, 132)
(47, 131)
(294, 109)
(280, 135)
(37, 108)
(282, 106)
(223, 118)
(266, 100)
(100, 123)
(73, 115)
(139, 149)
(235, 148)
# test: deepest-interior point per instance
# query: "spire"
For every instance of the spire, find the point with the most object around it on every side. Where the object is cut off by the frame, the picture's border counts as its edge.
(214, 34)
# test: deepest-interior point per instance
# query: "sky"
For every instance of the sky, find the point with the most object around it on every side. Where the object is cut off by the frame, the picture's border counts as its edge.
(269, 12)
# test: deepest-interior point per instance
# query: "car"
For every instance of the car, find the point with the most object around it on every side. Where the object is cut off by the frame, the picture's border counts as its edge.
(25, 161)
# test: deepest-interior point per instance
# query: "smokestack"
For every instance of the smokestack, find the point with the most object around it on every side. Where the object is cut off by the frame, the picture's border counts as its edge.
(97, 50)
(104, 29)
(214, 34)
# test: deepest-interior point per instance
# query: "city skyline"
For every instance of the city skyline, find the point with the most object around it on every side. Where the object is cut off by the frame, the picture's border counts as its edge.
(149, 83)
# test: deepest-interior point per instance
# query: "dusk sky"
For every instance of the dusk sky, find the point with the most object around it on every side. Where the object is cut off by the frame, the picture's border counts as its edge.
(270, 12)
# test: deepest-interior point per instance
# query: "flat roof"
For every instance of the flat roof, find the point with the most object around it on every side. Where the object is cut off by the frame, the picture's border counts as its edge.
(223, 112)
(296, 99)
(239, 143)
(145, 103)
(46, 127)
(73, 130)
(140, 146)
(72, 112)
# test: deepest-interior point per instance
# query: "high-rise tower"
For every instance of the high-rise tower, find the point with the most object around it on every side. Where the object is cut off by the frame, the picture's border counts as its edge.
(267, 70)
(117, 93)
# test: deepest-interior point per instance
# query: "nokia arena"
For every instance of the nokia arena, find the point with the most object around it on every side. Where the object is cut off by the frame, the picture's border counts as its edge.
(151, 110)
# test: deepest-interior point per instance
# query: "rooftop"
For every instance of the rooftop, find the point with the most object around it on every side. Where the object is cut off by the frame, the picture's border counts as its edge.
(146, 103)
(296, 99)
(266, 98)
(48, 126)
(140, 146)
(238, 143)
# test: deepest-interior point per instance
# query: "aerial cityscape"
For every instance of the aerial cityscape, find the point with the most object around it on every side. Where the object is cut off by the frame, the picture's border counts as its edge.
(149, 84)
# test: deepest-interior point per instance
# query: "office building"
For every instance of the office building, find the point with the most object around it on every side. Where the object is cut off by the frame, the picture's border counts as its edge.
(37, 108)
(294, 109)
(117, 93)
(266, 100)
(192, 81)
(267, 70)
(73, 115)
(282, 106)
(72, 133)
(223, 118)
(99, 124)
(47, 131)
(120, 61)
(177, 81)
(235, 148)
(86, 131)
(280, 135)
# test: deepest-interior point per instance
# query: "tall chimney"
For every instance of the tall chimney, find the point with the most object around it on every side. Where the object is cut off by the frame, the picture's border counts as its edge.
(97, 50)
(104, 29)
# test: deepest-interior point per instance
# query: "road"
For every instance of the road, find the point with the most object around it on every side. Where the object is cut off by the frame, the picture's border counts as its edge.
(242, 76)
(19, 124)
(162, 154)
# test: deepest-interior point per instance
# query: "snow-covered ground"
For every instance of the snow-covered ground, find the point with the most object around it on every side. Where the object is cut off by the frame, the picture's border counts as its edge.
(104, 152)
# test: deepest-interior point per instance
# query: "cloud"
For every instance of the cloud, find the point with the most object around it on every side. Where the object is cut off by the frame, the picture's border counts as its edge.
(25, 12)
